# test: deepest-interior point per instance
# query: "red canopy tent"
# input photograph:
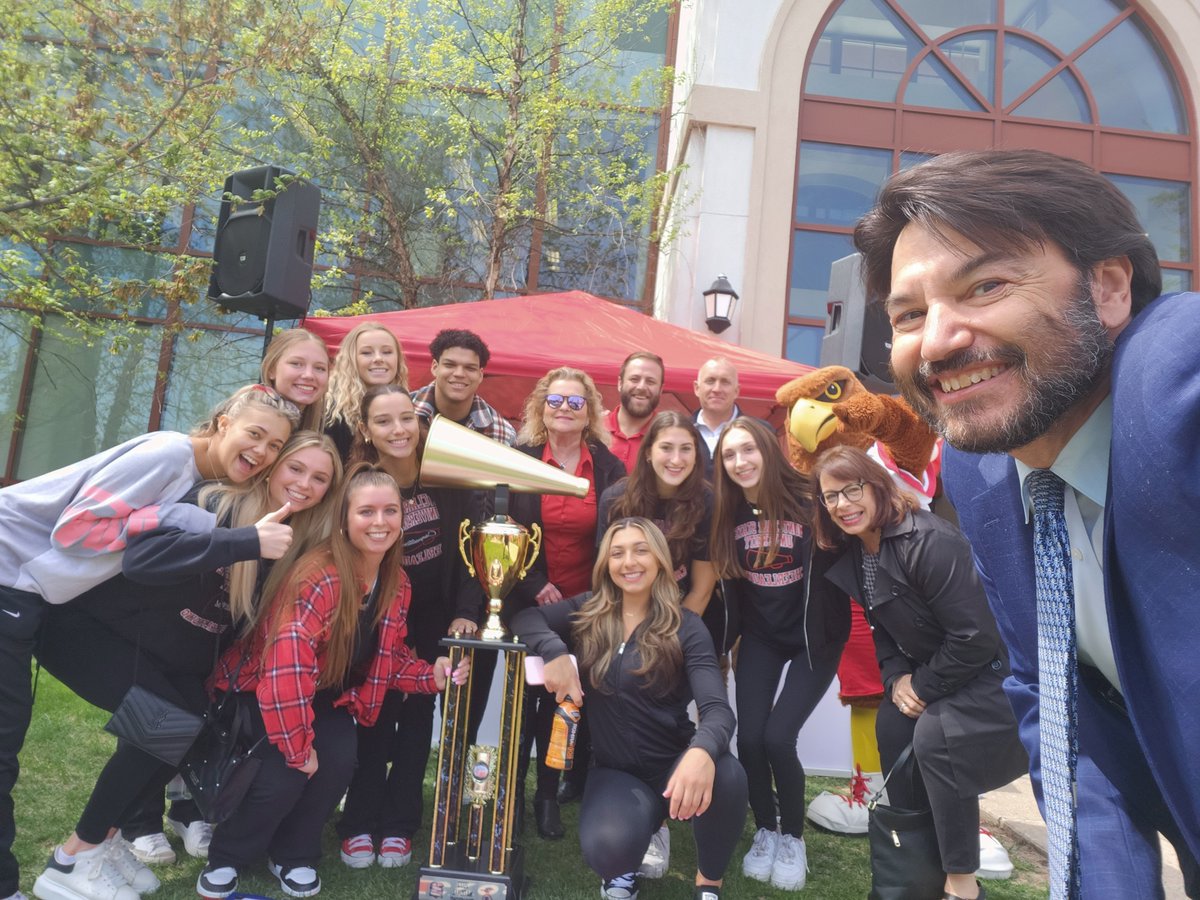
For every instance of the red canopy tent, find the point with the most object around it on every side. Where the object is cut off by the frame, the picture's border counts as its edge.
(528, 336)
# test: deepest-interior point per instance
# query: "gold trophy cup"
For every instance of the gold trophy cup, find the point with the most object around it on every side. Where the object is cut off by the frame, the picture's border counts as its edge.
(498, 552)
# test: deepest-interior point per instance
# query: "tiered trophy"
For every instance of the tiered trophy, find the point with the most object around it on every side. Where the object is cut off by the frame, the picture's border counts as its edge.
(480, 857)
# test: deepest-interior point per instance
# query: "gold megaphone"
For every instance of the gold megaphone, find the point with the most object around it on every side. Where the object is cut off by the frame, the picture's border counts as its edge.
(456, 456)
(501, 549)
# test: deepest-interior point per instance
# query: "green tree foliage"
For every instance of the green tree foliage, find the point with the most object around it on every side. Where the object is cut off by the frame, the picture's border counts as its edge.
(459, 144)
(110, 125)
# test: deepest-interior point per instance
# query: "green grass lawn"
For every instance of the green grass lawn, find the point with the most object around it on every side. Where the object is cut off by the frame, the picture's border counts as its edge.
(66, 748)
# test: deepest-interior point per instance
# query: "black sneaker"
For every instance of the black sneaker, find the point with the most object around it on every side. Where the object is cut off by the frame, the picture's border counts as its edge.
(217, 881)
(707, 892)
(297, 881)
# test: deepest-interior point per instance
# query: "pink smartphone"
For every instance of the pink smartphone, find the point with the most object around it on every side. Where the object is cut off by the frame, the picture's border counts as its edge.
(535, 669)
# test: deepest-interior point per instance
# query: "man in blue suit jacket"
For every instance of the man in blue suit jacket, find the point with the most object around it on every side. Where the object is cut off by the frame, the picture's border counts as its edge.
(1021, 291)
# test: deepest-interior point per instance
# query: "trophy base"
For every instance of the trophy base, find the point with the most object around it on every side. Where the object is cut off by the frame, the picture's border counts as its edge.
(461, 879)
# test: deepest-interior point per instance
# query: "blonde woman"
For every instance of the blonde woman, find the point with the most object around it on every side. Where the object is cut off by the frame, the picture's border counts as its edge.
(325, 654)
(369, 355)
(642, 660)
(563, 427)
(297, 365)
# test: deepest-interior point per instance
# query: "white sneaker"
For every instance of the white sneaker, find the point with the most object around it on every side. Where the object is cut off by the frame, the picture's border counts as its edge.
(658, 855)
(791, 864)
(196, 836)
(994, 862)
(135, 872)
(152, 848)
(217, 882)
(297, 881)
(759, 862)
(90, 877)
(845, 813)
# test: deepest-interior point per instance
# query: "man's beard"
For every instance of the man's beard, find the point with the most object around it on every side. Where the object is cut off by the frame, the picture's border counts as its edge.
(1079, 355)
(645, 405)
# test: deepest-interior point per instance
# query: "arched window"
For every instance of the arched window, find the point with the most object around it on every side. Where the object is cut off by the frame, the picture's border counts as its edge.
(889, 83)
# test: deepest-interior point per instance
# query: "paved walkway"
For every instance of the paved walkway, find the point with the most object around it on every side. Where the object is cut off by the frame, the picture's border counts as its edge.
(1013, 814)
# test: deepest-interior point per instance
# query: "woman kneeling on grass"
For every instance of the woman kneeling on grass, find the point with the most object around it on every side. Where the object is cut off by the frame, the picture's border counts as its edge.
(643, 659)
(322, 658)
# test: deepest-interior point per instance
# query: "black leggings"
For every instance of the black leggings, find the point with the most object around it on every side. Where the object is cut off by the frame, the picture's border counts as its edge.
(285, 810)
(768, 726)
(930, 783)
(100, 666)
(621, 812)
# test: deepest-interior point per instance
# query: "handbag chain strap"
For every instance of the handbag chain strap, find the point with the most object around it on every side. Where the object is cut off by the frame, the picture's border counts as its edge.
(901, 761)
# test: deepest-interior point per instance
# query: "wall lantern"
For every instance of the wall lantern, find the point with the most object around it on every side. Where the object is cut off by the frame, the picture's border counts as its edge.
(720, 300)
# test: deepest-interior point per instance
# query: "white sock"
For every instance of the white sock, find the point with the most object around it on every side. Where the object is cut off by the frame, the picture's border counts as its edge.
(62, 857)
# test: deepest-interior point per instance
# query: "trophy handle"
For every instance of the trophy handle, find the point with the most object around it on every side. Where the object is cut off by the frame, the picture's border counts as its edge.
(532, 549)
(464, 538)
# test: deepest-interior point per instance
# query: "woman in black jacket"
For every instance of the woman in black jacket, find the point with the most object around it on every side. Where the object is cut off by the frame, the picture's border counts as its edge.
(940, 655)
(643, 659)
(564, 427)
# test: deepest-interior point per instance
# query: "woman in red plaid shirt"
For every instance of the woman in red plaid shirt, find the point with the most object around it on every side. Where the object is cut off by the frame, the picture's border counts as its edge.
(323, 658)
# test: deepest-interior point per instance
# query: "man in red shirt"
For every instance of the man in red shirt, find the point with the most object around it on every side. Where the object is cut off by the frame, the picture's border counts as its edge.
(640, 384)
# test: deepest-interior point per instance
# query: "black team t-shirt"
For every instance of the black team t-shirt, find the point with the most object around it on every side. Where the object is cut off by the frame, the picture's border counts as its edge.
(429, 611)
(772, 594)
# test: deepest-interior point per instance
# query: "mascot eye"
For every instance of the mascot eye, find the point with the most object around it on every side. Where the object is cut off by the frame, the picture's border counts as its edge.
(834, 392)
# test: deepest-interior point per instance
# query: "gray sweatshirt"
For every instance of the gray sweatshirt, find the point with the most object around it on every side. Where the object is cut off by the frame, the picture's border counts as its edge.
(64, 532)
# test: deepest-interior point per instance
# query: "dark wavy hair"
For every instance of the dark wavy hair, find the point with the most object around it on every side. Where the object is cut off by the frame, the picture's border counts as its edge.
(784, 495)
(1011, 200)
(459, 337)
(686, 509)
(362, 450)
(851, 464)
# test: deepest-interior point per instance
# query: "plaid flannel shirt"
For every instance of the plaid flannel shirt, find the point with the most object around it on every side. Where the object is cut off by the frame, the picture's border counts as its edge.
(483, 418)
(290, 660)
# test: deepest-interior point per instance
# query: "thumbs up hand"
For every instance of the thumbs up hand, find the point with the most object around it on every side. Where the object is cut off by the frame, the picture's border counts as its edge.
(274, 537)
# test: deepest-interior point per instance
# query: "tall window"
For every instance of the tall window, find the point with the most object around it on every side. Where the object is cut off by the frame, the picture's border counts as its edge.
(890, 83)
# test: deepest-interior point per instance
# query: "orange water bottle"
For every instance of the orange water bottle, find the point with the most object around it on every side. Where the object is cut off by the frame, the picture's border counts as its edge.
(561, 754)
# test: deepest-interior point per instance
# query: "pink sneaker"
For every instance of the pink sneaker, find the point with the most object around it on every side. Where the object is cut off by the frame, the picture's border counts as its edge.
(395, 852)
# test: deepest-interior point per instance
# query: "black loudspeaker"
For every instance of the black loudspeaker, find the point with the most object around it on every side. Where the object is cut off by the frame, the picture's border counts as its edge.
(857, 335)
(263, 255)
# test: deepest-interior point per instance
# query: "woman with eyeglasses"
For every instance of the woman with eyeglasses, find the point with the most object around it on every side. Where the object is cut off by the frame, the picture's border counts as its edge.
(939, 651)
(564, 427)
(762, 545)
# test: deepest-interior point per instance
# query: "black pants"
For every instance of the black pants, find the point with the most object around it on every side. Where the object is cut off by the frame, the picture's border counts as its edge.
(539, 717)
(285, 810)
(768, 726)
(930, 783)
(21, 615)
(389, 803)
(110, 666)
(483, 672)
(621, 812)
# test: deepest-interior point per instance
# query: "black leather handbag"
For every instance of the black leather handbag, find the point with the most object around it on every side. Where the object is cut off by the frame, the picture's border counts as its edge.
(155, 725)
(905, 861)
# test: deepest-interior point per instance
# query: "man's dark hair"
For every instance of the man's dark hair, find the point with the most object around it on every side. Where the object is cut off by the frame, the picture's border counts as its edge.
(459, 337)
(1010, 200)
(642, 354)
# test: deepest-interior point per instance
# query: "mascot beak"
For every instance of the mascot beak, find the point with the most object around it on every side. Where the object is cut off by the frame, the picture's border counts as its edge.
(810, 423)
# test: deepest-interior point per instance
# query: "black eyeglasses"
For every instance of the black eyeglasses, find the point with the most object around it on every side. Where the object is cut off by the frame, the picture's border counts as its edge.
(851, 492)
(574, 401)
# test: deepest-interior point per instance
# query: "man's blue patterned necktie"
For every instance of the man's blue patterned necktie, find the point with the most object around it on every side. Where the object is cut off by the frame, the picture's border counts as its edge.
(1058, 677)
